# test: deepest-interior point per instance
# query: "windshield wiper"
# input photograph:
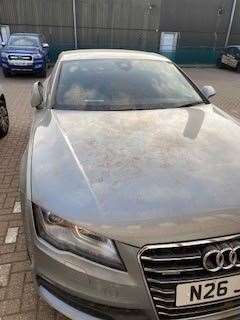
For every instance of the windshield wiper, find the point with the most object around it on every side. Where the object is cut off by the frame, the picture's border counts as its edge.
(191, 104)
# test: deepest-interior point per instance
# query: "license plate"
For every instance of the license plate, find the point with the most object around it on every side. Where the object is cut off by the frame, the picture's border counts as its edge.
(224, 59)
(207, 291)
(20, 63)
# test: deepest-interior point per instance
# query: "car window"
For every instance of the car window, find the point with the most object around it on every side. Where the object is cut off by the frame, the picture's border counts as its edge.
(236, 51)
(23, 41)
(122, 84)
(231, 51)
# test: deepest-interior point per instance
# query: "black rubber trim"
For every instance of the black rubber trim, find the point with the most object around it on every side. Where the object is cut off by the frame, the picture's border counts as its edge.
(97, 310)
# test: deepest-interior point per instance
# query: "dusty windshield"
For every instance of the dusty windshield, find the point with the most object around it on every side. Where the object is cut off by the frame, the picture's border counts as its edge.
(120, 84)
(23, 41)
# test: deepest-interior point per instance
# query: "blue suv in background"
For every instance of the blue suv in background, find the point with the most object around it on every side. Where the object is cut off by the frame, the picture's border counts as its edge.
(25, 52)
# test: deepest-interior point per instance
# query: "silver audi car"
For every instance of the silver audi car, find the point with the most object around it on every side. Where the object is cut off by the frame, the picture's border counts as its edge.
(130, 191)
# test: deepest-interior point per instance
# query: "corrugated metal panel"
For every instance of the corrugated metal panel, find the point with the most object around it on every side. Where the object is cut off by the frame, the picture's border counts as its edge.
(118, 14)
(53, 18)
(235, 35)
(101, 23)
(130, 24)
(120, 39)
(195, 16)
(236, 20)
(199, 22)
(36, 12)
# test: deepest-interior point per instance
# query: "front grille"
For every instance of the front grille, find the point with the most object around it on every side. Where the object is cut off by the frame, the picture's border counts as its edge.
(17, 57)
(166, 266)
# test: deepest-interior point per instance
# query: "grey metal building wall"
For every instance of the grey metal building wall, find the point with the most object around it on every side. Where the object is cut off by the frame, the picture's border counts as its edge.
(129, 24)
(133, 24)
(202, 27)
(118, 23)
(198, 21)
(235, 34)
(53, 18)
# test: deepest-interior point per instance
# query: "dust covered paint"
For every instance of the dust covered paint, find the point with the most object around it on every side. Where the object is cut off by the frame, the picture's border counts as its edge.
(138, 174)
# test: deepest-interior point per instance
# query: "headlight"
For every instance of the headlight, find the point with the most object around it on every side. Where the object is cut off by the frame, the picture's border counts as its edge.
(69, 237)
(4, 55)
(37, 56)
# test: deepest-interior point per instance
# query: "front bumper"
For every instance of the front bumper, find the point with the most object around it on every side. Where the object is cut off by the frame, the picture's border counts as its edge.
(81, 289)
(84, 290)
(71, 305)
(35, 66)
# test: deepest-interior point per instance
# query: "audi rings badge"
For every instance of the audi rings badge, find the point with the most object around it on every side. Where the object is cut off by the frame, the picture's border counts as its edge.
(221, 258)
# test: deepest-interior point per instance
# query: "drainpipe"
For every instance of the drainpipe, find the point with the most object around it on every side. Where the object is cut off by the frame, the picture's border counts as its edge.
(231, 22)
(75, 24)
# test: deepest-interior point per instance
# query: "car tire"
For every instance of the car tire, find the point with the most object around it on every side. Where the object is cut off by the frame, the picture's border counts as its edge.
(219, 64)
(4, 119)
(6, 73)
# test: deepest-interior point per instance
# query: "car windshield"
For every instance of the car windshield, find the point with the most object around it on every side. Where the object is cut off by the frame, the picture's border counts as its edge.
(23, 41)
(121, 84)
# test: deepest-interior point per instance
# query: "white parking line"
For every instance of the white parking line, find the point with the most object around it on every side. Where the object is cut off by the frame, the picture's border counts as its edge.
(4, 274)
(11, 236)
(17, 207)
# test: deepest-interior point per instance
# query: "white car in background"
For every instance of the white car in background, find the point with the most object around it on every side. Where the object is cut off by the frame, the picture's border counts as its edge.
(230, 58)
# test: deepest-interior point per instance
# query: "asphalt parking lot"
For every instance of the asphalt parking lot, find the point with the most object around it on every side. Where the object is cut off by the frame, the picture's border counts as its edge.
(18, 300)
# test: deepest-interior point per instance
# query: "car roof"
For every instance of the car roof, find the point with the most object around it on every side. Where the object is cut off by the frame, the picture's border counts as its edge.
(109, 54)
(25, 34)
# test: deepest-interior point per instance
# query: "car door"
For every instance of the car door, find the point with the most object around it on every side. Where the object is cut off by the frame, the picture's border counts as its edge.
(229, 57)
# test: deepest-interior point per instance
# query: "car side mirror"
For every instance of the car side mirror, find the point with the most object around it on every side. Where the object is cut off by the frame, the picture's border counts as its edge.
(45, 45)
(3, 44)
(37, 95)
(208, 91)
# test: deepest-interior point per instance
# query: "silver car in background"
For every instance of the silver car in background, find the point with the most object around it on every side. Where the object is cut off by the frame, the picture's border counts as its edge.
(130, 191)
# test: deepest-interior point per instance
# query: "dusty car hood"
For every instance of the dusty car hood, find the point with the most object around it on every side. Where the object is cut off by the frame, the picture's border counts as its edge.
(140, 177)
